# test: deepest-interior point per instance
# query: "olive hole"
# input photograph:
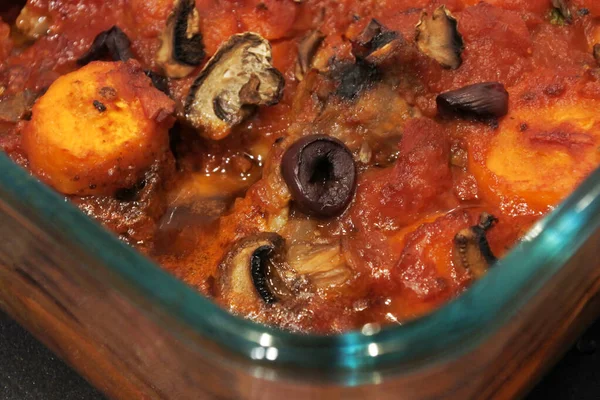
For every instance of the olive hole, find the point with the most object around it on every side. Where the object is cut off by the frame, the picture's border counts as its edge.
(323, 170)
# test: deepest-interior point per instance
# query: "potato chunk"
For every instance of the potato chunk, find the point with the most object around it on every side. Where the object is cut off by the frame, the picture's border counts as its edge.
(98, 129)
(540, 154)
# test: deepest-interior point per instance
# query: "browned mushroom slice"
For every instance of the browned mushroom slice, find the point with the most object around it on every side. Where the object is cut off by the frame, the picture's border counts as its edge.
(255, 271)
(234, 82)
(376, 43)
(562, 7)
(181, 47)
(438, 37)
(471, 248)
(306, 51)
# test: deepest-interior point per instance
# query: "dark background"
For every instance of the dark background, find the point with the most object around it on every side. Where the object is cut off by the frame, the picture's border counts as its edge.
(28, 371)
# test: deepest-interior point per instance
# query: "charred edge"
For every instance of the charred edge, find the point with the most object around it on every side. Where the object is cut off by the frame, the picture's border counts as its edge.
(99, 106)
(484, 245)
(375, 43)
(355, 78)
(112, 43)
(159, 81)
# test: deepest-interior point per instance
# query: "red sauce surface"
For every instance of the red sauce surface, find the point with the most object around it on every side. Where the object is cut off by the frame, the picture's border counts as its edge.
(427, 177)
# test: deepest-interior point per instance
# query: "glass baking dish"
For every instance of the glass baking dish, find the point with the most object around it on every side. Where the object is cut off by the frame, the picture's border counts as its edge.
(135, 331)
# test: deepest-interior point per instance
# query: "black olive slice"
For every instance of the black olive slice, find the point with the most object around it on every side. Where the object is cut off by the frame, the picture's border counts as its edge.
(481, 100)
(320, 173)
(438, 37)
(471, 248)
(113, 44)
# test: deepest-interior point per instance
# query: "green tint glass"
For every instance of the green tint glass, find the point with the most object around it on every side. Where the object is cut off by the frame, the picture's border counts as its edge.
(352, 358)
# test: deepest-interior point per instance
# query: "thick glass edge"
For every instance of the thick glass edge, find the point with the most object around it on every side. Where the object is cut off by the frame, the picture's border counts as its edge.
(446, 333)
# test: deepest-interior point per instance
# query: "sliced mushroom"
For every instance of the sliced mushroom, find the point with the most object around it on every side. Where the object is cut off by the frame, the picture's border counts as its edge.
(181, 47)
(113, 44)
(376, 43)
(255, 269)
(481, 100)
(471, 248)
(234, 82)
(438, 37)
(562, 6)
(306, 51)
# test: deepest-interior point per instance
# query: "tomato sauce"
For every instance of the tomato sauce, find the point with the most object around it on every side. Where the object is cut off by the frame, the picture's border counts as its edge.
(422, 178)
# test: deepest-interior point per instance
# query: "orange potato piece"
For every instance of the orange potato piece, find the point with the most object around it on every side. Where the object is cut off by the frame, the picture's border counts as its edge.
(540, 155)
(98, 129)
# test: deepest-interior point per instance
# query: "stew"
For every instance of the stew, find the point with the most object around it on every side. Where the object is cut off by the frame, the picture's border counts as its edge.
(315, 165)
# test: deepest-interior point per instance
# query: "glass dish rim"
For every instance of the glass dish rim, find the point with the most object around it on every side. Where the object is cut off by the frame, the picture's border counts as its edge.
(351, 358)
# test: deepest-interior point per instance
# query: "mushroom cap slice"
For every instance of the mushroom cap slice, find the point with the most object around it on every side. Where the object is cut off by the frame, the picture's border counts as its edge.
(438, 37)
(307, 48)
(234, 82)
(471, 248)
(181, 47)
(255, 272)
(376, 43)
